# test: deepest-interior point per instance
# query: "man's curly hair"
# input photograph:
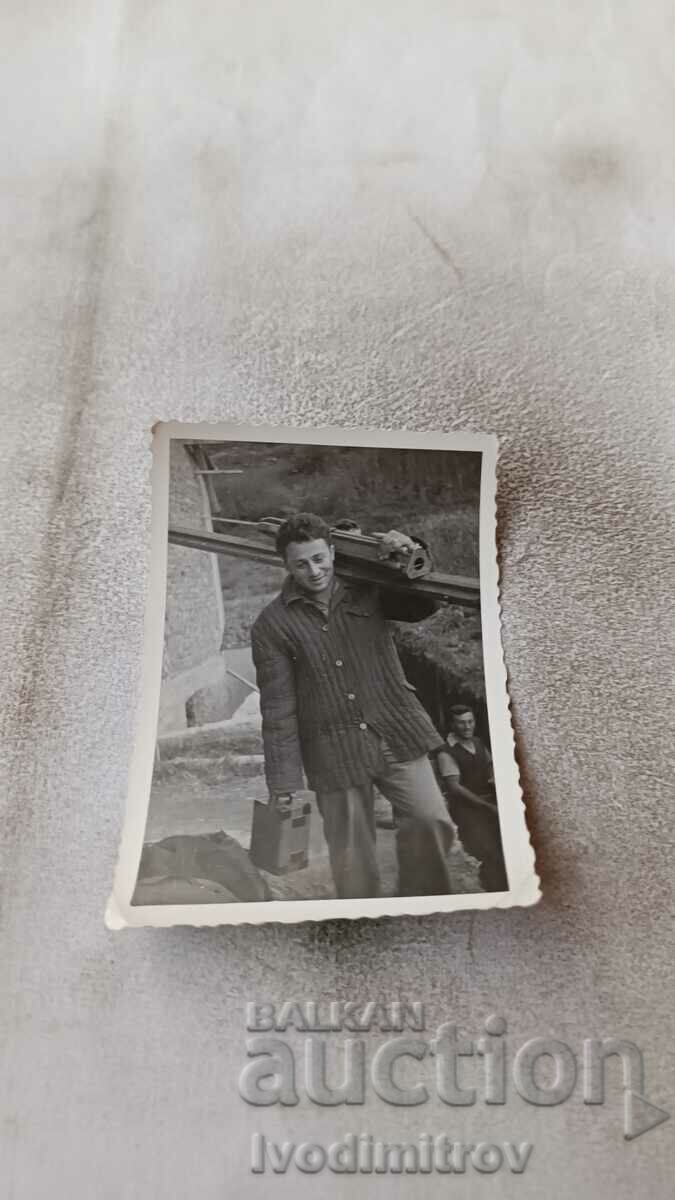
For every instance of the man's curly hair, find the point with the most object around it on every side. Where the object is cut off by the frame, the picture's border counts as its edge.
(302, 527)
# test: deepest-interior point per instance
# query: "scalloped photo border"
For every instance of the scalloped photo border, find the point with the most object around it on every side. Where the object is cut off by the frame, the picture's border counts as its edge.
(524, 888)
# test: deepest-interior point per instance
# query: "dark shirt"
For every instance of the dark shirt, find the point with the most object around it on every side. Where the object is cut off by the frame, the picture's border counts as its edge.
(474, 770)
(326, 679)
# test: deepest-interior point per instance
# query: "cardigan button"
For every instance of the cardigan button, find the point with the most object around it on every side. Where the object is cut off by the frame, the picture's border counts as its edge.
(363, 725)
(338, 662)
(351, 696)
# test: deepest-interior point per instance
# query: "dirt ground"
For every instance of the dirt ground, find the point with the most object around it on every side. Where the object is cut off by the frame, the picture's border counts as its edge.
(192, 796)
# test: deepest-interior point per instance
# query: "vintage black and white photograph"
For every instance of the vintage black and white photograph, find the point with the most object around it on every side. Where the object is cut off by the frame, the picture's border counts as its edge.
(325, 726)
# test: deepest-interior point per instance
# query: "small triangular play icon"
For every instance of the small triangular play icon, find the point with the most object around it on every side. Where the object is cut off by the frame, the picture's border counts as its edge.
(640, 1115)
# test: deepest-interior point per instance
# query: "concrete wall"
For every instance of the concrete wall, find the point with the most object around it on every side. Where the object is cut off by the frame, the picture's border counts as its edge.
(453, 214)
(193, 626)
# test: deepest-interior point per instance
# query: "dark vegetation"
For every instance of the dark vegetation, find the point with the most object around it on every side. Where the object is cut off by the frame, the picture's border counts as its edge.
(434, 494)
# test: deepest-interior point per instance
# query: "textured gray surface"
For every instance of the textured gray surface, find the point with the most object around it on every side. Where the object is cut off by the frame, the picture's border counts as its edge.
(432, 216)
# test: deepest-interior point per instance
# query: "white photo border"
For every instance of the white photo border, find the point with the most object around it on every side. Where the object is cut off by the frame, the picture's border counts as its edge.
(524, 886)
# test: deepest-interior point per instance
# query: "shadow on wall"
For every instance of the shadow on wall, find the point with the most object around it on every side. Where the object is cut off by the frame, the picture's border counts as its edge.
(211, 692)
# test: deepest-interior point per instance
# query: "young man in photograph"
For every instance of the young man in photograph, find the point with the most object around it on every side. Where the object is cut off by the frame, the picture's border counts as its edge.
(466, 770)
(335, 703)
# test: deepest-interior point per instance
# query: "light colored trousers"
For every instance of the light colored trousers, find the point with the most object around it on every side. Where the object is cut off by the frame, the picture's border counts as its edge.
(424, 830)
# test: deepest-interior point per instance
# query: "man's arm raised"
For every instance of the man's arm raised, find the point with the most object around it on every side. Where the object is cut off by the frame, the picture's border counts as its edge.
(396, 605)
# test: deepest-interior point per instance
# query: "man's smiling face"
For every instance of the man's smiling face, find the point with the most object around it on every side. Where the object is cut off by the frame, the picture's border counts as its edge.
(311, 564)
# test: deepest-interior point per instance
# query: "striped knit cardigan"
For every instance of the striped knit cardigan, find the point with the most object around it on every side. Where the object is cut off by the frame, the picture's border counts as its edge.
(326, 679)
